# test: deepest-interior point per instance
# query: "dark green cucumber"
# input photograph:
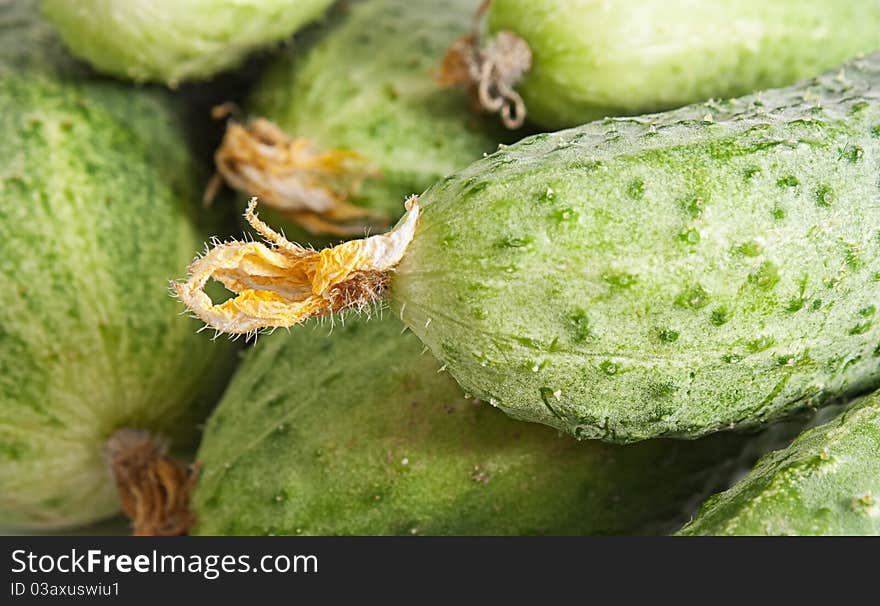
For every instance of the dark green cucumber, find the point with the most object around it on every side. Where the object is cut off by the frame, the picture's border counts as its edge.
(673, 274)
(358, 433)
(826, 483)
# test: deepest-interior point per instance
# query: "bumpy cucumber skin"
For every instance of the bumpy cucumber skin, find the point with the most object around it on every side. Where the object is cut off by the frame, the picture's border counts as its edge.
(366, 82)
(674, 274)
(826, 483)
(96, 214)
(594, 59)
(358, 433)
(170, 41)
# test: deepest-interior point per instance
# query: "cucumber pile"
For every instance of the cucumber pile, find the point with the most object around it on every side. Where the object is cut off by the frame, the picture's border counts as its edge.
(666, 276)
(579, 332)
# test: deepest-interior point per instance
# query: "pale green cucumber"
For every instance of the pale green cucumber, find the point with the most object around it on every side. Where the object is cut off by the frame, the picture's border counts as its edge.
(826, 483)
(366, 82)
(674, 274)
(171, 41)
(97, 211)
(359, 432)
(593, 58)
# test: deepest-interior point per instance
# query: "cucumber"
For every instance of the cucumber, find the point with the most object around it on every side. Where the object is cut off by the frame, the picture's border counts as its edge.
(826, 483)
(594, 59)
(676, 274)
(96, 186)
(358, 433)
(365, 83)
(171, 42)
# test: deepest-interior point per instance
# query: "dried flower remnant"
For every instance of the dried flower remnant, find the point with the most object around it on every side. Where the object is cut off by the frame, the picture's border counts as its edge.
(490, 72)
(154, 488)
(307, 185)
(284, 284)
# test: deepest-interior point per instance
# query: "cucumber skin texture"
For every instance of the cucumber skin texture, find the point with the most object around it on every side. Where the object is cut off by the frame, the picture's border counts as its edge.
(170, 41)
(593, 59)
(357, 433)
(96, 215)
(366, 81)
(662, 275)
(826, 483)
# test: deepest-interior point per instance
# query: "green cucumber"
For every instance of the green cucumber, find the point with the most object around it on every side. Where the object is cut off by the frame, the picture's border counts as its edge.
(358, 433)
(594, 59)
(365, 82)
(170, 41)
(674, 274)
(826, 483)
(96, 192)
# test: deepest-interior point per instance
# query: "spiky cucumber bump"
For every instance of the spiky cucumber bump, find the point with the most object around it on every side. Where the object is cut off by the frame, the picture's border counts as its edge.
(358, 431)
(673, 274)
(596, 59)
(170, 41)
(367, 82)
(96, 189)
(826, 483)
